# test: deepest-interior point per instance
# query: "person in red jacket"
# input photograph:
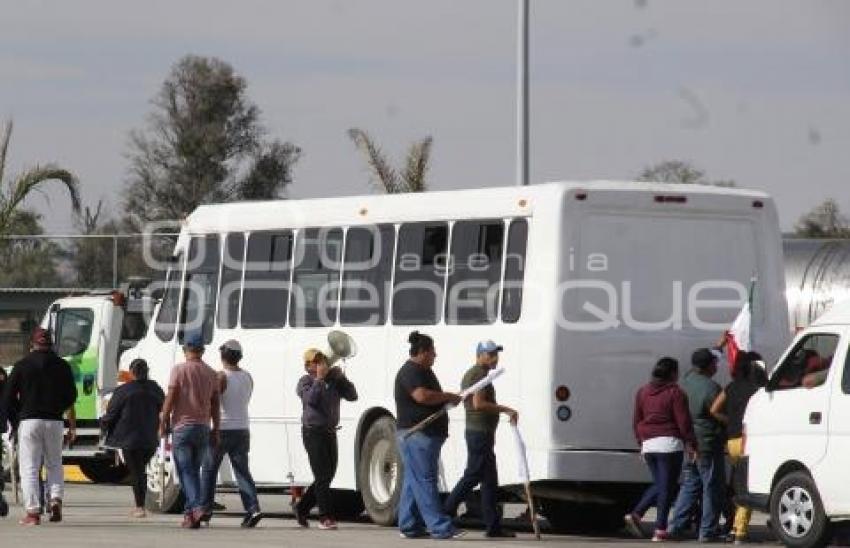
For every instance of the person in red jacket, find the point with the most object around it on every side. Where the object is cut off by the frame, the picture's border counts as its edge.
(664, 431)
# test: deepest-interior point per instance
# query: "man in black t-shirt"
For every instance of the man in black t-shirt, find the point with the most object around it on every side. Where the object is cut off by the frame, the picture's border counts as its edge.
(418, 394)
(482, 418)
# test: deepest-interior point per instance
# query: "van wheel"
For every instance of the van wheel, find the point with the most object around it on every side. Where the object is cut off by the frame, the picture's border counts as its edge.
(168, 500)
(796, 512)
(380, 471)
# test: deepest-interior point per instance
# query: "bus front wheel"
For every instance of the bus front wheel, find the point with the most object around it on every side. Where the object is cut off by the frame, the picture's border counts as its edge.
(163, 491)
(379, 472)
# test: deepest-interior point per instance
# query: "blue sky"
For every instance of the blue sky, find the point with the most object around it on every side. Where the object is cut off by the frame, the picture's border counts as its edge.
(754, 91)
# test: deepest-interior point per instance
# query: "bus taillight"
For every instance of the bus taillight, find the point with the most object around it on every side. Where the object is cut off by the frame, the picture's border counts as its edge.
(562, 393)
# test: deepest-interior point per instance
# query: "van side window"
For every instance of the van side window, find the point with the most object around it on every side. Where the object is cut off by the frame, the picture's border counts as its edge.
(420, 272)
(315, 284)
(807, 365)
(514, 270)
(265, 296)
(366, 275)
(166, 319)
(231, 280)
(201, 288)
(475, 272)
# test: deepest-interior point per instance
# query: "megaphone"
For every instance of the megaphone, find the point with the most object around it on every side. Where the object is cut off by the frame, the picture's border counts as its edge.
(341, 346)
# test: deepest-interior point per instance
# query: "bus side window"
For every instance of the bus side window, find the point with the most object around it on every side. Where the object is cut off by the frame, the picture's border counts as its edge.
(315, 283)
(231, 280)
(366, 274)
(201, 289)
(514, 271)
(475, 272)
(265, 296)
(166, 319)
(420, 272)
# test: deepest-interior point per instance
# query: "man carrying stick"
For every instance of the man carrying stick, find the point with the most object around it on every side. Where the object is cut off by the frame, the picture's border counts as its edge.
(482, 418)
(418, 395)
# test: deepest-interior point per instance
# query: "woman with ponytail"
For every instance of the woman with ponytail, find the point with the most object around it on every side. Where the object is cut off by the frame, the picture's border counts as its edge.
(418, 394)
(131, 423)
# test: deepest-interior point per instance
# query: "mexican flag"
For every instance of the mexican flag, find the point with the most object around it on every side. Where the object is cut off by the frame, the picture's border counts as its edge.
(738, 336)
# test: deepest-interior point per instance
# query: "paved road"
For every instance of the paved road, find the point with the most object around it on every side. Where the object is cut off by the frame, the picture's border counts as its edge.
(97, 515)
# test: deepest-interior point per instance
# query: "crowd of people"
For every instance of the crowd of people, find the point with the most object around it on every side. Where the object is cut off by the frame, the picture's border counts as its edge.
(205, 412)
(686, 429)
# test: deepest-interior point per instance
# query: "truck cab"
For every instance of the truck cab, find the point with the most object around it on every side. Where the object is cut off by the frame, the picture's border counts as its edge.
(91, 332)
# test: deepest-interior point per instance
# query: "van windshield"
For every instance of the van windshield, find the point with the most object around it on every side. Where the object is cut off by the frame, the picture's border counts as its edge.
(73, 330)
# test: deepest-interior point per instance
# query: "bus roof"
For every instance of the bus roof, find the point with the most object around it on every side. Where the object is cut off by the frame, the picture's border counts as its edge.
(505, 201)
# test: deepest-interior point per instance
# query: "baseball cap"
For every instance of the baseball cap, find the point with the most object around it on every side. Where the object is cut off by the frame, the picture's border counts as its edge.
(232, 345)
(40, 336)
(703, 358)
(311, 354)
(194, 340)
(488, 346)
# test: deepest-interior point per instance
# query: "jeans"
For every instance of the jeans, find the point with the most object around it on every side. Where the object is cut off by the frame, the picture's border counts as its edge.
(137, 460)
(321, 447)
(420, 508)
(665, 469)
(189, 445)
(40, 441)
(235, 444)
(480, 469)
(706, 475)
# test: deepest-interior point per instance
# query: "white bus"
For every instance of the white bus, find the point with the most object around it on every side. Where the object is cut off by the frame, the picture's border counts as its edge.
(585, 284)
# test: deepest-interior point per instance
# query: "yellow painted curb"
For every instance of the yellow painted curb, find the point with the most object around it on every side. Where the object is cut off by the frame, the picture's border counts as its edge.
(73, 474)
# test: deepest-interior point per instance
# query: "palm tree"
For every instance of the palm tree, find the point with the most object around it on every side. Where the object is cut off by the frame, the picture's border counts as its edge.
(13, 194)
(384, 176)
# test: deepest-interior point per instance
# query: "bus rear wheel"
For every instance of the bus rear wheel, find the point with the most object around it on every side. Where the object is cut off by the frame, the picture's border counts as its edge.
(103, 471)
(380, 471)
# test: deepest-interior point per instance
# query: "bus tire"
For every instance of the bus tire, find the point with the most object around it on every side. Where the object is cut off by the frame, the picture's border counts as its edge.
(797, 515)
(103, 471)
(171, 501)
(380, 472)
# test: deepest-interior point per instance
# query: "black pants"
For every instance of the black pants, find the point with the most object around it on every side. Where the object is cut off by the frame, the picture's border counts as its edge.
(321, 447)
(480, 469)
(136, 460)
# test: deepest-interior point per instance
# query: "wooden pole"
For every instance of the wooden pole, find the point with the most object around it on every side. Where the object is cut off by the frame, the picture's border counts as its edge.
(532, 513)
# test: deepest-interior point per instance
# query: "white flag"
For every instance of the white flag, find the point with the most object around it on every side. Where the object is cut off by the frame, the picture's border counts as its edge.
(522, 458)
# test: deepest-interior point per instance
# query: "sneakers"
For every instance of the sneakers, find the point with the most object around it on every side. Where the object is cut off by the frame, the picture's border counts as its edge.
(138, 513)
(415, 534)
(55, 510)
(501, 533)
(190, 521)
(327, 524)
(633, 526)
(30, 519)
(660, 536)
(251, 519)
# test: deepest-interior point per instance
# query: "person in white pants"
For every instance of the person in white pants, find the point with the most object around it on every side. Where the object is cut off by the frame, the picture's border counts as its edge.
(39, 392)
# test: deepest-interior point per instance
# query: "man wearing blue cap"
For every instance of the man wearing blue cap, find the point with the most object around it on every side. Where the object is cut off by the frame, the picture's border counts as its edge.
(482, 418)
(191, 404)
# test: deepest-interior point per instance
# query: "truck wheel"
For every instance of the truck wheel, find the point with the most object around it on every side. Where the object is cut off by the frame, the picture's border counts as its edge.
(380, 472)
(796, 512)
(103, 471)
(169, 501)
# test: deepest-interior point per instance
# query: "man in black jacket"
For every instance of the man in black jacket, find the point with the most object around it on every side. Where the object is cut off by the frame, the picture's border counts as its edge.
(39, 392)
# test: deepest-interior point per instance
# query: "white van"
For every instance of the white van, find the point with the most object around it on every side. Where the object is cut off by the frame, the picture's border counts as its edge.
(586, 284)
(797, 435)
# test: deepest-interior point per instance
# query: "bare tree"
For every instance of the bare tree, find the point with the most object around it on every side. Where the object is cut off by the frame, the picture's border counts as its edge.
(681, 172)
(823, 221)
(413, 175)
